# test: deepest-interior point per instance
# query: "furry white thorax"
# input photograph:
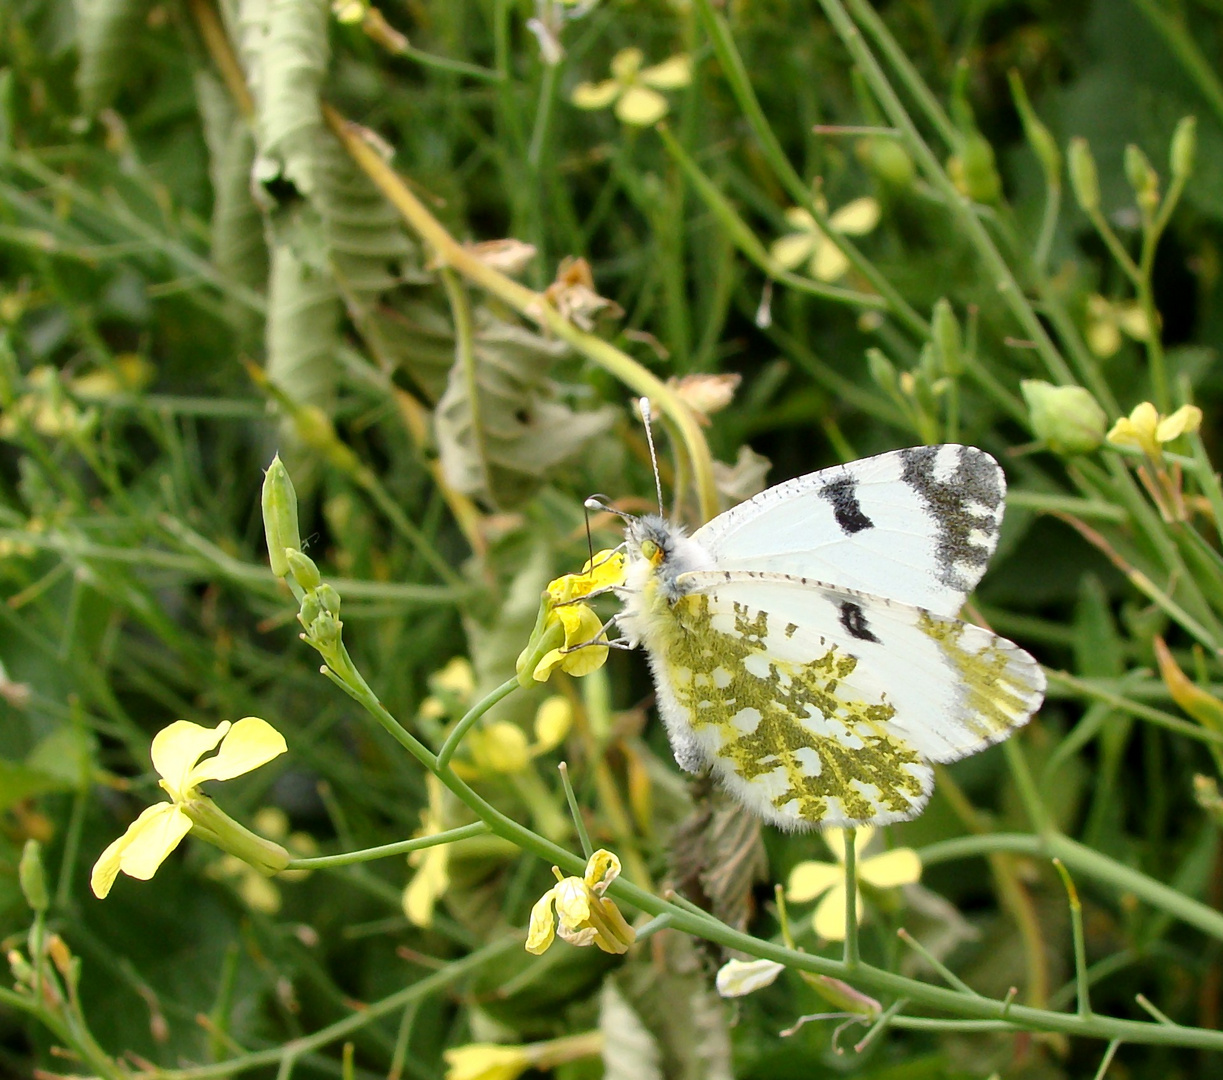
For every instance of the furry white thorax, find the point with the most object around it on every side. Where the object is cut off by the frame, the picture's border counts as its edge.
(646, 584)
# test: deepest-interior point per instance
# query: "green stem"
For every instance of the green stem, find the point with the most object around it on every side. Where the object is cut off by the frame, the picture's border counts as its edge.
(736, 74)
(402, 847)
(997, 268)
(851, 953)
(473, 714)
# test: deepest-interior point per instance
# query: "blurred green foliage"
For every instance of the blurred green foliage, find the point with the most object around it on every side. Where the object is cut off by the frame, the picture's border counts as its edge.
(195, 273)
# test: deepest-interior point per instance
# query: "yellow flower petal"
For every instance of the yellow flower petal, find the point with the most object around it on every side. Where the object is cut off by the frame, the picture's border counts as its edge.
(602, 868)
(1133, 320)
(501, 747)
(671, 74)
(177, 747)
(1123, 433)
(641, 106)
(809, 879)
(892, 868)
(251, 742)
(829, 917)
(801, 219)
(835, 839)
(1145, 417)
(486, 1061)
(792, 250)
(604, 570)
(1103, 338)
(548, 663)
(626, 63)
(828, 263)
(572, 899)
(542, 930)
(427, 886)
(856, 218)
(1186, 418)
(142, 849)
(595, 95)
(553, 719)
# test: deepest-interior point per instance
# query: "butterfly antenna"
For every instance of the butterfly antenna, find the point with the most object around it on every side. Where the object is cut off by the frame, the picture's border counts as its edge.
(644, 405)
(590, 544)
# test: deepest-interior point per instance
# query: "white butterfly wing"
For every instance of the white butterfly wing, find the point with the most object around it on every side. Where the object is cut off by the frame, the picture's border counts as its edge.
(915, 525)
(818, 705)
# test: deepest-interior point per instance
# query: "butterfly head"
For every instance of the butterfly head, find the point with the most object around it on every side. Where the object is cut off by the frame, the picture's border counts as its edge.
(659, 552)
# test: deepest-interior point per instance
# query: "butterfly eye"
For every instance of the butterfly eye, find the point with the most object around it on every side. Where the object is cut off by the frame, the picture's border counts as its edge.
(650, 550)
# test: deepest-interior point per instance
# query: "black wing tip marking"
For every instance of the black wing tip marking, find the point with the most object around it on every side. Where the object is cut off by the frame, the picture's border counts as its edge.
(969, 500)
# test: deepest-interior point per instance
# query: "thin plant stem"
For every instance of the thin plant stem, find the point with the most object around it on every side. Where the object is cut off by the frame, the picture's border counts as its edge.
(1083, 992)
(383, 851)
(851, 898)
(999, 272)
(736, 74)
(471, 717)
(949, 976)
(575, 811)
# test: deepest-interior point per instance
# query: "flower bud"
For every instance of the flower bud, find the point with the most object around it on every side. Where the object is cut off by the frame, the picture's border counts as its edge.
(1066, 418)
(1184, 147)
(945, 330)
(304, 571)
(279, 516)
(1083, 176)
(328, 598)
(975, 172)
(882, 370)
(889, 161)
(33, 880)
(1142, 177)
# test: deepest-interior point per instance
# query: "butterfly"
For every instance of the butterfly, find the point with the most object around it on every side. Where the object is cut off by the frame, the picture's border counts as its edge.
(806, 645)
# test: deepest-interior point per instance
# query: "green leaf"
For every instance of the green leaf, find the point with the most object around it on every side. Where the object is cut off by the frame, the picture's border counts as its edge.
(106, 31)
(522, 430)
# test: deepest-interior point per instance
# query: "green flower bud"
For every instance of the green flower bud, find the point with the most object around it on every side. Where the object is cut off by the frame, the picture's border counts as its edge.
(1142, 177)
(882, 371)
(305, 573)
(1083, 176)
(945, 330)
(1184, 147)
(1039, 137)
(1066, 418)
(978, 174)
(33, 880)
(329, 598)
(279, 516)
(889, 161)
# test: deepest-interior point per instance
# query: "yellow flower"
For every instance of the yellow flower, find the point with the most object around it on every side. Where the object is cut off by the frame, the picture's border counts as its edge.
(583, 915)
(1107, 318)
(493, 1061)
(432, 876)
(635, 89)
(566, 629)
(808, 880)
(809, 243)
(486, 1061)
(1146, 430)
(177, 751)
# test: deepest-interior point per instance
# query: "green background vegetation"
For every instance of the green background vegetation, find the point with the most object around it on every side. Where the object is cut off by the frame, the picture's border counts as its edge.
(195, 273)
